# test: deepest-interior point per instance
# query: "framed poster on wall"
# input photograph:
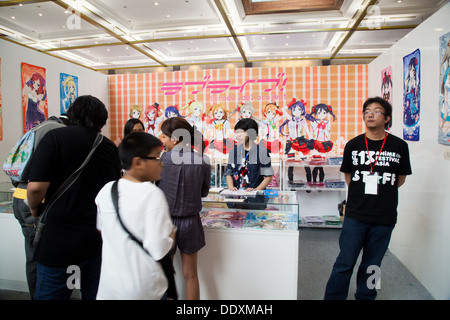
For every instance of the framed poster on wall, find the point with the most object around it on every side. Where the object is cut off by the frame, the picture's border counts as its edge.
(411, 96)
(68, 90)
(444, 87)
(34, 95)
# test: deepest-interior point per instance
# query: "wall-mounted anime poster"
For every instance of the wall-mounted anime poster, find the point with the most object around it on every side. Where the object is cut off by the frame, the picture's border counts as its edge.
(34, 96)
(1, 104)
(411, 96)
(386, 84)
(68, 91)
(444, 87)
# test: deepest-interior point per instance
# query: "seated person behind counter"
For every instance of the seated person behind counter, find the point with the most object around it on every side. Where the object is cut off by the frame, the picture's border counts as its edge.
(249, 165)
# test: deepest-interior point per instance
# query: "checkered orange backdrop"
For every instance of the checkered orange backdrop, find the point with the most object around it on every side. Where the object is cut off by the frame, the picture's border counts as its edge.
(344, 87)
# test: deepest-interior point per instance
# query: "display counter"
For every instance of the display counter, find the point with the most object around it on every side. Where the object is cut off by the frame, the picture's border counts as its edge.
(251, 247)
(12, 250)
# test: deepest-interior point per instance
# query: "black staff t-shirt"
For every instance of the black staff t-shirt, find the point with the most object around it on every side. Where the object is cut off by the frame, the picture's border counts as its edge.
(70, 234)
(392, 162)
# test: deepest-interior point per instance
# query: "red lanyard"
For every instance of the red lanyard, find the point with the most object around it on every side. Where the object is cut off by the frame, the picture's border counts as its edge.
(368, 153)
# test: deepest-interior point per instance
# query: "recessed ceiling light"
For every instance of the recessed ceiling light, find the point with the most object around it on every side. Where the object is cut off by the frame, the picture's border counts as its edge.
(13, 17)
(156, 3)
(40, 14)
(168, 16)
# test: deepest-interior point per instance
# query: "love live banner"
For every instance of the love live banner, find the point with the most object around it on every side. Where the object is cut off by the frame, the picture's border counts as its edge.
(342, 88)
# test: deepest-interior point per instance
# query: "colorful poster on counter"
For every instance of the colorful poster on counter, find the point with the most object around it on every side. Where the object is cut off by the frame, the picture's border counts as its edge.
(34, 96)
(386, 84)
(444, 87)
(68, 90)
(411, 96)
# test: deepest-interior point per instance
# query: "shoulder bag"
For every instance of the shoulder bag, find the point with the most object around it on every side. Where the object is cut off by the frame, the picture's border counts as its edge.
(166, 262)
(63, 188)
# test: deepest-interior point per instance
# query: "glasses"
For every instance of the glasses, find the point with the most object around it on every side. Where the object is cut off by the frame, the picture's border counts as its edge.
(152, 158)
(376, 113)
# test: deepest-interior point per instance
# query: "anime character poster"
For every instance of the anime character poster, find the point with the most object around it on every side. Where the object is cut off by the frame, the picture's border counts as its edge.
(411, 96)
(386, 84)
(68, 90)
(34, 96)
(444, 87)
(1, 104)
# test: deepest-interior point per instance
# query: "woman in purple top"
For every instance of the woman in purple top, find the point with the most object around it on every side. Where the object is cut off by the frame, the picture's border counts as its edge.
(185, 180)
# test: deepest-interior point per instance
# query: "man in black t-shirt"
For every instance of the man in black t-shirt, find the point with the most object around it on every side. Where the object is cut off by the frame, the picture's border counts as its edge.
(70, 245)
(375, 165)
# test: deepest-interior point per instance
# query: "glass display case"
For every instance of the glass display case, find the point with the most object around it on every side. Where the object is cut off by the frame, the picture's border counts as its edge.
(260, 210)
(6, 196)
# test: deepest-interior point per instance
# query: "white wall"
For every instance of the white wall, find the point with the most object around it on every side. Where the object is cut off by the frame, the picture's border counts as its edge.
(421, 239)
(12, 55)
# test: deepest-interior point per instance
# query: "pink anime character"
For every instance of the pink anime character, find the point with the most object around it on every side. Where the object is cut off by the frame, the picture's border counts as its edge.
(152, 119)
(269, 132)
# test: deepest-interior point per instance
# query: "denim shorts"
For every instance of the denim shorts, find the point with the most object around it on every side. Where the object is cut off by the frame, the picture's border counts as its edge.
(190, 236)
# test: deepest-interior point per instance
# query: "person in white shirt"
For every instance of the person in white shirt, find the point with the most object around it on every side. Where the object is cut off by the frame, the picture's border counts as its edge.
(128, 271)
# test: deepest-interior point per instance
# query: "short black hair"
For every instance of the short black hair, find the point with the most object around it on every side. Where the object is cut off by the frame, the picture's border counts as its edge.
(386, 106)
(136, 144)
(88, 111)
(246, 124)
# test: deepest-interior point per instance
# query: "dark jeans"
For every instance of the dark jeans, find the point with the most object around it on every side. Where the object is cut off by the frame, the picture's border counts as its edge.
(356, 236)
(56, 283)
(27, 223)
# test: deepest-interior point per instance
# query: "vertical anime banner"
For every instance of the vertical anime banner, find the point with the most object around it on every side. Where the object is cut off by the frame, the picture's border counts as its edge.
(1, 103)
(34, 96)
(411, 96)
(444, 88)
(386, 84)
(68, 90)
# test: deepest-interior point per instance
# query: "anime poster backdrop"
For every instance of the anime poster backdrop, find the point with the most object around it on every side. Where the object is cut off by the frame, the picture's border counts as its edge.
(68, 90)
(34, 96)
(444, 82)
(411, 96)
(1, 104)
(386, 84)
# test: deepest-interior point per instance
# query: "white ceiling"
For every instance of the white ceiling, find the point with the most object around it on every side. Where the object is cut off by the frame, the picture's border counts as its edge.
(114, 34)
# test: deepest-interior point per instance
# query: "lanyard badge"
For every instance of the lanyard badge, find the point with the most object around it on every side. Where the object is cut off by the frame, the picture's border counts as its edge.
(371, 180)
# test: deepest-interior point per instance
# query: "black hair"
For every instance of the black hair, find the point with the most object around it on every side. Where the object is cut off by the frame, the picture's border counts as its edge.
(386, 106)
(130, 125)
(247, 124)
(136, 144)
(88, 111)
(178, 127)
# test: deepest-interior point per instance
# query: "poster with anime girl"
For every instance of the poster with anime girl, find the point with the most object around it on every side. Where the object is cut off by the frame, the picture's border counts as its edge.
(68, 90)
(219, 130)
(444, 84)
(386, 84)
(34, 96)
(411, 96)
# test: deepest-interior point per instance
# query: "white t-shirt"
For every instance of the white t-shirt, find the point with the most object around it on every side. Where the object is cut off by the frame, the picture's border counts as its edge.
(127, 271)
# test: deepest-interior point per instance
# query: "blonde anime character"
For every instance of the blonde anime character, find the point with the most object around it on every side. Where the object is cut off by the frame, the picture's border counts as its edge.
(135, 112)
(196, 115)
(70, 93)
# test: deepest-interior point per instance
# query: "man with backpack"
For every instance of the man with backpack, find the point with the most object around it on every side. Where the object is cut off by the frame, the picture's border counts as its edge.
(21, 209)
